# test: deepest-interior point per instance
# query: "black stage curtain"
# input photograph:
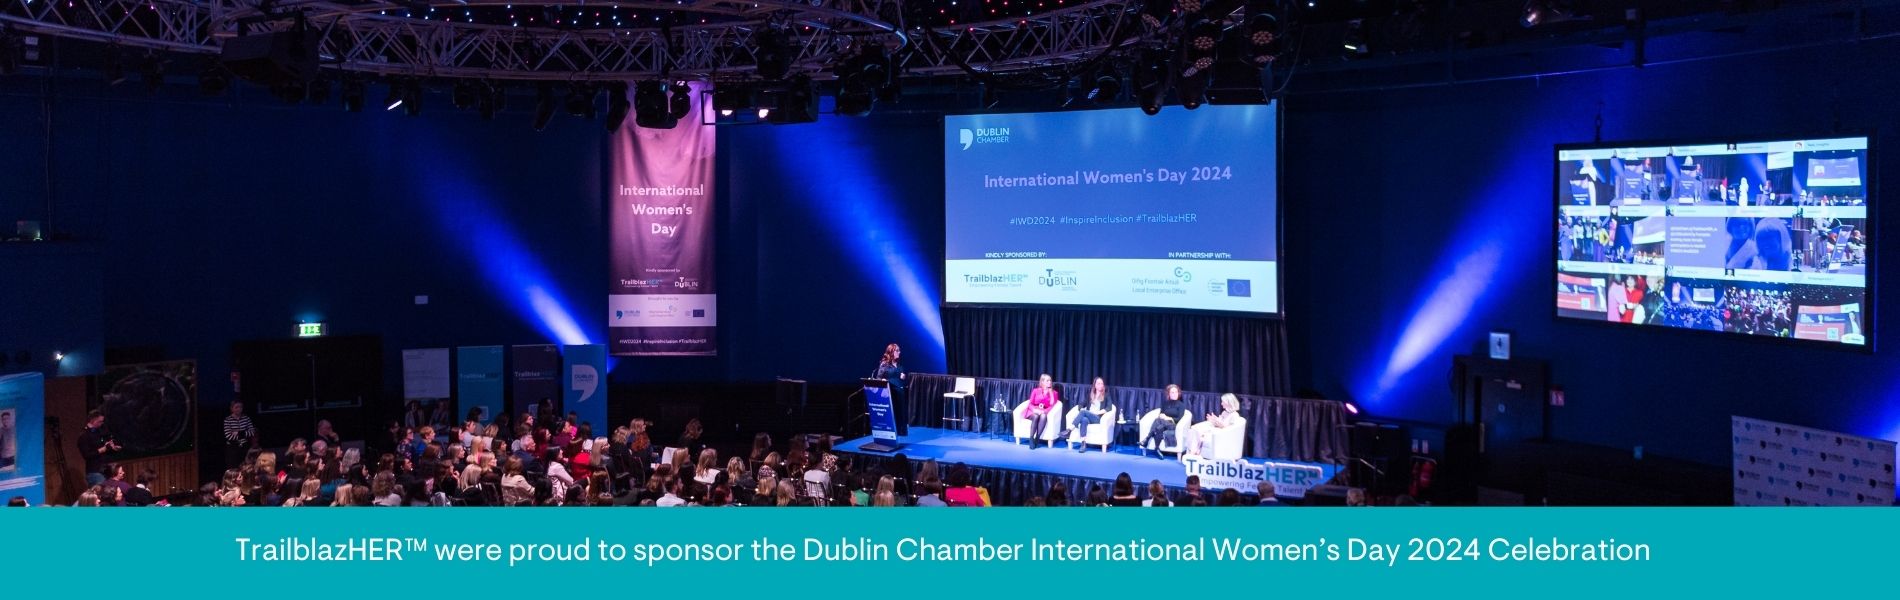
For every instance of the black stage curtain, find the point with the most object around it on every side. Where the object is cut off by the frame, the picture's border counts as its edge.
(1013, 488)
(1289, 428)
(1199, 352)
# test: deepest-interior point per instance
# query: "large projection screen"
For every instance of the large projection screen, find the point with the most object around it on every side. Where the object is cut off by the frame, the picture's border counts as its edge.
(1762, 238)
(1114, 208)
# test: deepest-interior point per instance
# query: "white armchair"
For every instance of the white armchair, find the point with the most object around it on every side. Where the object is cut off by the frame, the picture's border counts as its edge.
(1052, 426)
(1172, 444)
(1102, 433)
(1227, 443)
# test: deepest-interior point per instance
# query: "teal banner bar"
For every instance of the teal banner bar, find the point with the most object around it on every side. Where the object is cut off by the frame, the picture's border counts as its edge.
(1464, 552)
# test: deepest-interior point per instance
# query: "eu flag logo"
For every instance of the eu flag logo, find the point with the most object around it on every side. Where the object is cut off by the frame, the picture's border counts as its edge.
(1240, 288)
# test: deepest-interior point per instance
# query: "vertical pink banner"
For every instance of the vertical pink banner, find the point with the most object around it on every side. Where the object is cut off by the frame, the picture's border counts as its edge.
(662, 299)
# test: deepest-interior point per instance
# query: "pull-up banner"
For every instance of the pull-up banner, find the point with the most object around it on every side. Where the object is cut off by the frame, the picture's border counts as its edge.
(478, 373)
(22, 421)
(661, 300)
(585, 384)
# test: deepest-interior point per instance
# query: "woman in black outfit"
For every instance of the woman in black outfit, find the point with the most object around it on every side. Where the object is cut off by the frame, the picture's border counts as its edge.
(889, 370)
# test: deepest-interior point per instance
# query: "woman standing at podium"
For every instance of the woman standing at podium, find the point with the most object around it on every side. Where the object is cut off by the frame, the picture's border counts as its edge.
(890, 371)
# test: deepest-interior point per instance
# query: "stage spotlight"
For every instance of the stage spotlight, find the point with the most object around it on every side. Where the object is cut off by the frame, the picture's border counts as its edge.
(1545, 12)
(1150, 80)
(580, 101)
(1355, 39)
(395, 98)
(10, 51)
(1156, 12)
(543, 106)
(731, 98)
(152, 70)
(860, 80)
(1352, 409)
(1105, 89)
(1263, 33)
(796, 103)
(617, 106)
(114, 66)
(212, 81)
(1197, 62)
(652, 107)
(497, 97)
(764, 113)
(774, 52)
(463, 95)
(412, 98)
(682, 101)
(318, 92)
(354, 91)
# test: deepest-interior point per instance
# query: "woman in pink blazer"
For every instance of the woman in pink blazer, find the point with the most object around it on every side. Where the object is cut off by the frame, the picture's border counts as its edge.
(1042, 400)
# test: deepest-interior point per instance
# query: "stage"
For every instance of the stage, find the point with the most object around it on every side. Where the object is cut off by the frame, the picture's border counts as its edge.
(1014, 473)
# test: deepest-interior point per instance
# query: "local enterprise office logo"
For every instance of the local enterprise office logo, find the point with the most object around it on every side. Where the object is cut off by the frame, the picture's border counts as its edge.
(982, 135)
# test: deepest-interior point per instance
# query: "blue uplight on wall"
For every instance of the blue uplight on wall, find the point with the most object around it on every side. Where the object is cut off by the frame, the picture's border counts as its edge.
(1497, 242)
(867, 215)
(468, 217)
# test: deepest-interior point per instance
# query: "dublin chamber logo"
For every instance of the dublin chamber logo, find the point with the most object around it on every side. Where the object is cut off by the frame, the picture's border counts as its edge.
(1052, 278)
(982, 135)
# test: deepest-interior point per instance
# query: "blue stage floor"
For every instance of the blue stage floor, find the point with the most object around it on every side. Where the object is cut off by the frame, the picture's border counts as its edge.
(977, 449)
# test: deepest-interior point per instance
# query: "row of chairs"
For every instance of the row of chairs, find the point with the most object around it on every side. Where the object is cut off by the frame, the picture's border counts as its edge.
(1223, 444)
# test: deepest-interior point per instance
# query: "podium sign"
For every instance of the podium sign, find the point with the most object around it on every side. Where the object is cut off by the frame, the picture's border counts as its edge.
(877, 401)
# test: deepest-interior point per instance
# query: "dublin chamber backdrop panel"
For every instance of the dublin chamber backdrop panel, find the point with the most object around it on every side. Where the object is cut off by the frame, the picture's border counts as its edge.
(1763, 238)
(1114, 208)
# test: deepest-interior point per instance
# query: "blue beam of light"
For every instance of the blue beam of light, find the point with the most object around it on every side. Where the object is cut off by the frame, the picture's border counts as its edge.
(1491, 249)
(867, 212)
(468, 218)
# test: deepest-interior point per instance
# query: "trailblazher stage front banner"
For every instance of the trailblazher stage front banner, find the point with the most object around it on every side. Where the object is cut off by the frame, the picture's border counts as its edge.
(662, 299)
(22, 427)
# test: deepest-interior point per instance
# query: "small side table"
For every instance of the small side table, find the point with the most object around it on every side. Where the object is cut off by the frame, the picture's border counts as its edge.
(998, 422)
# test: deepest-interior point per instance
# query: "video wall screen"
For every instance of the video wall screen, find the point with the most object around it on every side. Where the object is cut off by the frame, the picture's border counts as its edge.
(1114, 208)
(1769, 238)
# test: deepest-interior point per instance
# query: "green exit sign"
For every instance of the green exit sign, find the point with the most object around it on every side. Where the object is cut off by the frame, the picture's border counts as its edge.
(310, 330)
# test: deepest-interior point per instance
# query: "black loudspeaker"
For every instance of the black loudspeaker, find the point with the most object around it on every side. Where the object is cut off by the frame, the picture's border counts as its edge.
(1327, 495)
(1382, 457)
(273, 58)
(791, 393)
(1456, 480)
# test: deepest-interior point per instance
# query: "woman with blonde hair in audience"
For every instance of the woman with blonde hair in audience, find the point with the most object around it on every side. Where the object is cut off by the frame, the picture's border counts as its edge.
(515, 489)
(762, 493)
(472, 474)
(786, 492)
(737, 476)
(682, 462)
(707, 471)
(312, 489)
(886, 492)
